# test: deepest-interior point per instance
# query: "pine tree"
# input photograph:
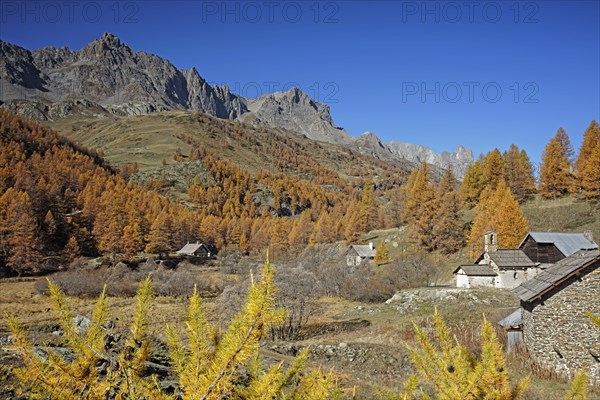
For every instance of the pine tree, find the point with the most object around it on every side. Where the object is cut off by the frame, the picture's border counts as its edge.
(448, 229)
(244, 244)
(472, 184)
(368, 208)
(509, 222)
(416, 190)
(482, 222)
(77, 375)
(301, 232)
(579, 387)
(518, 173)
(555, 171)
(448, 183)
(493, 168)
(71, 249)
(111, 240)
(453, 373)
(324, 230)
(497, 211)
(159, 238)
(351, 230)
(50, 224)
(382, 254)
(567, 147)
(279, 237)
(590, 176)
(591, 138)
(24, 240)
(133, 241)
(421, 207)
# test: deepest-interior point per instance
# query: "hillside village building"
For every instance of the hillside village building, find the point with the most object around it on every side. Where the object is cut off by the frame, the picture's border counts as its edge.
(360, 253)
(508, 268)
(195, 250)
(556, 331)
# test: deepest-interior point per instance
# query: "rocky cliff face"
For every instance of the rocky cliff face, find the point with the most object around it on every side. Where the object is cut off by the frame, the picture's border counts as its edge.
(370, 144)
(459, 160)
(296, 111)
(107, 77)
(110, 73)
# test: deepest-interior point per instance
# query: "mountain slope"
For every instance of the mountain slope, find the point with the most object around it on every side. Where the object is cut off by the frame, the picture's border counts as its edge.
(110, 73)
(149, 139)
(294, 110)
(106, 77)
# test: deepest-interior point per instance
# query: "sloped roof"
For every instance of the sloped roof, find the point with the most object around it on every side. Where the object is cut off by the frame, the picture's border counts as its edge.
(190, 248)
(556, 274)
(509, 258)
(477, 270)
(364, 250)
(567, 243)
(513, 320)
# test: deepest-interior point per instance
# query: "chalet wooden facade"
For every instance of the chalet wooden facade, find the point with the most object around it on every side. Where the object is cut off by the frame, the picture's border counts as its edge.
(551, 247)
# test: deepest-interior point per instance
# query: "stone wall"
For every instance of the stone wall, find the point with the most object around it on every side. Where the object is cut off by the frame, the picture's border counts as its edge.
(481, 281)
(558, 334)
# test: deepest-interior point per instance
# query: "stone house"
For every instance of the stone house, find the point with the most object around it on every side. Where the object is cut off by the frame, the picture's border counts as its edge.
(556, 331)
(499, 268)
(195, 250)
(359, 253)
(471, 276)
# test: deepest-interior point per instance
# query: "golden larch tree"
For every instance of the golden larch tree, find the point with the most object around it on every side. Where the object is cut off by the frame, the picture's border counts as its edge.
(159, 238)
(133, 241)
(24, 240)
(508, 222)
(449, 227)
(493, 168)
(518, 173)
(473, 184)
(591, 138)
(482, 223)
(555, 170)
(71, 249)
(324, 229)
(300, 233)
(382, 254)
(590, 176)
(498, 211)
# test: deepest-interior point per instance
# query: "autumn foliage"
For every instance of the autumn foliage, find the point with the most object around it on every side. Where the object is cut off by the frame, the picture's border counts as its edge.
(498, 211)
(62, 200)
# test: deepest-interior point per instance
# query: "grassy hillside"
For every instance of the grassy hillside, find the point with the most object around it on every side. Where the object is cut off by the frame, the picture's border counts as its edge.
(149, 139)
(563, 215)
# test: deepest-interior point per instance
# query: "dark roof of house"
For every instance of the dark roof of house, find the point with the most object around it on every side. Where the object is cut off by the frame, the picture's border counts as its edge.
(556, 274)
(509, 258)
(190, 248)
(364, 250)
(567, 243)
(476, 270)
(513, 320)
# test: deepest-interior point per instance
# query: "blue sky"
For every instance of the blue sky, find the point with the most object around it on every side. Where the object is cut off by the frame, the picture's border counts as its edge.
(483, 74)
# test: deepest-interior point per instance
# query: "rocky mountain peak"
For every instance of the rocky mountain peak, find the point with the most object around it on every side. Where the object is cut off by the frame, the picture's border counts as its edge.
(109, 77)
(296, 111)
(104, 45)
(110, 40)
